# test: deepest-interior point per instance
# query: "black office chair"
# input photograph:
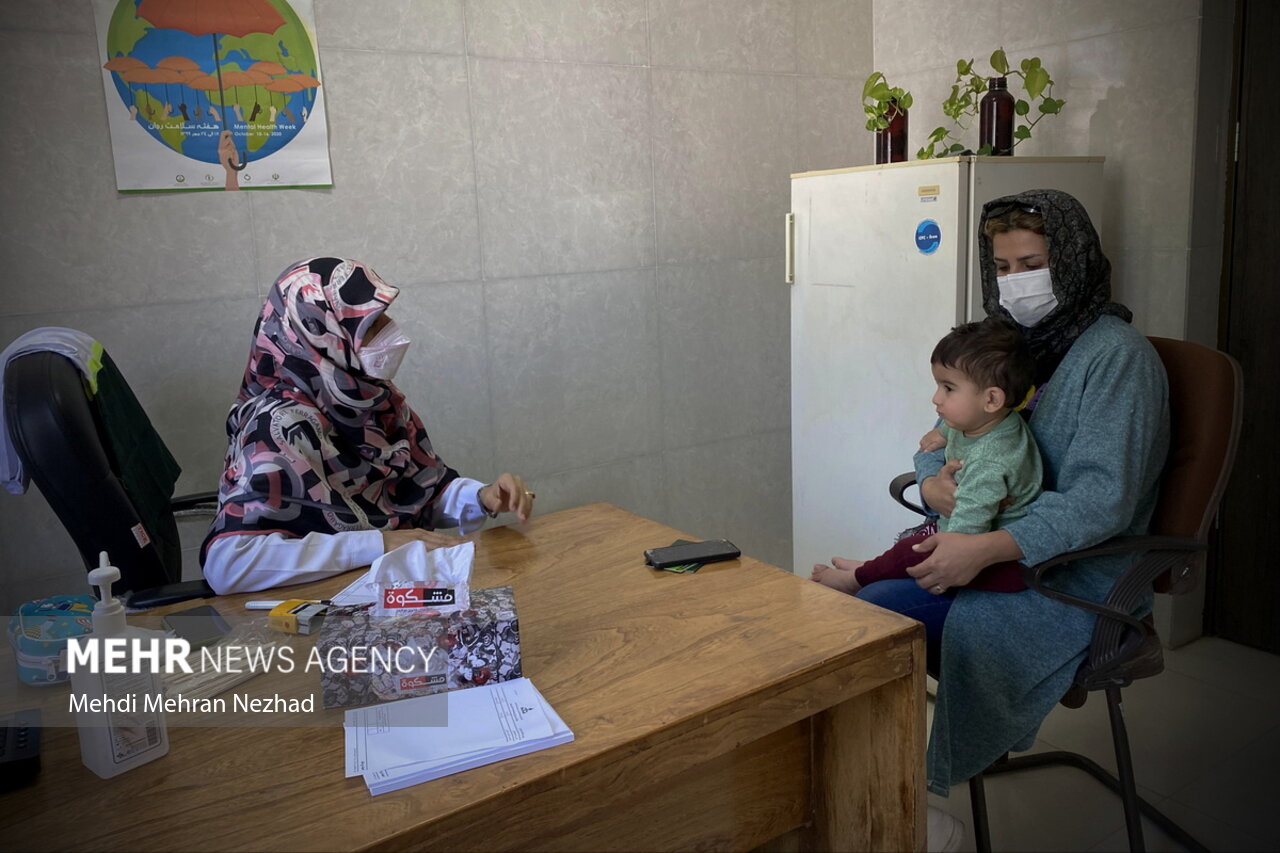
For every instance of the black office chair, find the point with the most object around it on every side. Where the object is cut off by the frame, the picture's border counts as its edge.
(1206, 406)
(59, 435)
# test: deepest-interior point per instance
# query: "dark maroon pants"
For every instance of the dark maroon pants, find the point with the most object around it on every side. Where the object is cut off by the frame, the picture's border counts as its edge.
(998, 577)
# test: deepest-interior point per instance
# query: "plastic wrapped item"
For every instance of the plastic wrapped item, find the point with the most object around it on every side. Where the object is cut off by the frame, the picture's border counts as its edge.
(251, 642)
(39, 630)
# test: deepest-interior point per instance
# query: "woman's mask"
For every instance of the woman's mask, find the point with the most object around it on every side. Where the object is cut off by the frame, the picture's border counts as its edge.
(1027, 296)
(381, 355)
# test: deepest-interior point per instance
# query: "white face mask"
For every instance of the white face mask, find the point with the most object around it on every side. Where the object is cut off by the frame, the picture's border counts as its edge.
(381, 356)
(1027, 296)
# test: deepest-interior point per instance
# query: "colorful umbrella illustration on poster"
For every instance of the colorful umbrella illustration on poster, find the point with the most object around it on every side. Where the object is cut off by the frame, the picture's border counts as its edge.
(213, 94)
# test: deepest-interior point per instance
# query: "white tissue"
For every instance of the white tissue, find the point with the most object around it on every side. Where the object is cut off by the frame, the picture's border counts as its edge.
(409, 564)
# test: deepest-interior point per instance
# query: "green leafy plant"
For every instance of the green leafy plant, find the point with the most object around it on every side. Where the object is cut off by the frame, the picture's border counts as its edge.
(880, 101)
(967, 91)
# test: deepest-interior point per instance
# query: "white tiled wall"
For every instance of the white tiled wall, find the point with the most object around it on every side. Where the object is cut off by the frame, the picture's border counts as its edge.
(582, 200)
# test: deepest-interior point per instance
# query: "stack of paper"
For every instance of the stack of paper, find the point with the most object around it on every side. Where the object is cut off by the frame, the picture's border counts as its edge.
(392, 748)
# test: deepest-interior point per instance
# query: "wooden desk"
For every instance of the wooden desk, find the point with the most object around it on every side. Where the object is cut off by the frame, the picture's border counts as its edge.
(713, 711)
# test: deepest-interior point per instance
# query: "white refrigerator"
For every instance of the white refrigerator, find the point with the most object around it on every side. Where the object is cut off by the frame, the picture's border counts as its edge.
(882, 261)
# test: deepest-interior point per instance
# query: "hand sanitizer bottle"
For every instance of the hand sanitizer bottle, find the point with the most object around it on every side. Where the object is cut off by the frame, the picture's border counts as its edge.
(120, 715)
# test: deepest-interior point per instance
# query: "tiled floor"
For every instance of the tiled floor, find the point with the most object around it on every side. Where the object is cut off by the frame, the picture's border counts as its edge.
(1205, 737)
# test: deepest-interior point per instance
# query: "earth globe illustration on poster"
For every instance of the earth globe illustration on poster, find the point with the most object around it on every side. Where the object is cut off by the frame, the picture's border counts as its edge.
(219, 81)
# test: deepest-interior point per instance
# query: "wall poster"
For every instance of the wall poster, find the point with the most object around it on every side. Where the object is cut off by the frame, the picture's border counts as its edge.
(213, 94)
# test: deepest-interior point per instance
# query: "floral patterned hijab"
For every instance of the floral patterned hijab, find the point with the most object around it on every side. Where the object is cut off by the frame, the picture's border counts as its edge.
(316, 445)
(1080, 271)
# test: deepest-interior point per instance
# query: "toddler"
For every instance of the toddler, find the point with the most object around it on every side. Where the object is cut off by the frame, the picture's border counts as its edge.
(983, 373)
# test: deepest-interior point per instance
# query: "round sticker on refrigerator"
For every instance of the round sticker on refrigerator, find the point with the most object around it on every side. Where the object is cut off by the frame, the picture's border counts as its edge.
(928, 236)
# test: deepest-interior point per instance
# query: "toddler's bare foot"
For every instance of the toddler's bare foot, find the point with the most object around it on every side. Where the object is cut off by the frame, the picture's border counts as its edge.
(836, 578)
(846, 565)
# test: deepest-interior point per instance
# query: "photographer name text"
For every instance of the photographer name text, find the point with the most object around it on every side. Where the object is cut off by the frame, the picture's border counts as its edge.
(152, 702)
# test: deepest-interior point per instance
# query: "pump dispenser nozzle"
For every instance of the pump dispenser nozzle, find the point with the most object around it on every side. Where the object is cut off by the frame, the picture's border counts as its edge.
(108, 613)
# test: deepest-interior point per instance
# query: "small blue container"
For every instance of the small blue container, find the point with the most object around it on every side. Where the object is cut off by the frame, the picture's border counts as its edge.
(39, 631)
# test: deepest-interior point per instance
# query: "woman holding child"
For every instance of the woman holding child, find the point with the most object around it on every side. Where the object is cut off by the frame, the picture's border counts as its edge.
(1100, 418)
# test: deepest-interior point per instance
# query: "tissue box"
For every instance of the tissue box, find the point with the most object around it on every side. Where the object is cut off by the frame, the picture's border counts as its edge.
(39, 631)
(449, 651)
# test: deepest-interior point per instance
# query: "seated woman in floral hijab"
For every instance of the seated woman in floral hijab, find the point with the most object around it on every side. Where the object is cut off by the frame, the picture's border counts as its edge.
(327, 467)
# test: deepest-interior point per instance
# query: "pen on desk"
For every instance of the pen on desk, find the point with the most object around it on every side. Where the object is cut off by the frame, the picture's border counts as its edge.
(267, 605)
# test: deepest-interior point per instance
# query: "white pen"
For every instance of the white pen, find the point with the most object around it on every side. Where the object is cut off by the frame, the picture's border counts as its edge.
(268, 605)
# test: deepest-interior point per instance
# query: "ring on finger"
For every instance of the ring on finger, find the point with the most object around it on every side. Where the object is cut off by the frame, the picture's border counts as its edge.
(530, 494)
(939, 588)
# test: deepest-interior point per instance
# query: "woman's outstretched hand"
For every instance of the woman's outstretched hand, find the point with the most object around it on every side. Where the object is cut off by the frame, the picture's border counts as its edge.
(393, 539)
(508, 493)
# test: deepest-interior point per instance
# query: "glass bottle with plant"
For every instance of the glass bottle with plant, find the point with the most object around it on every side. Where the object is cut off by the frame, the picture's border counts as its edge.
(969, 87)
(886, 109)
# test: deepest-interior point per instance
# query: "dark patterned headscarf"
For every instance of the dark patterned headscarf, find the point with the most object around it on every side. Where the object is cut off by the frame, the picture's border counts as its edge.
(315, 444)
(1080, 271)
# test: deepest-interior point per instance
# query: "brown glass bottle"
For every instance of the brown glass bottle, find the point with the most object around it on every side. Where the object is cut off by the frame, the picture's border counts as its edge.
(891, 143)
(995, 118)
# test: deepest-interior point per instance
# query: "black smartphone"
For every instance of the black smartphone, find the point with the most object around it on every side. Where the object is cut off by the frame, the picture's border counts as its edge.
(710, 551)
(199, 626)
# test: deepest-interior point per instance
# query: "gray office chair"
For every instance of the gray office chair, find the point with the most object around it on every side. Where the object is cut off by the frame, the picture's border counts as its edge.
(1206, 405)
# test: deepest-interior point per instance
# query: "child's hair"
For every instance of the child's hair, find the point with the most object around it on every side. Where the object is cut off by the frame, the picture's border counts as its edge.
(992, 353)
(1013, 218)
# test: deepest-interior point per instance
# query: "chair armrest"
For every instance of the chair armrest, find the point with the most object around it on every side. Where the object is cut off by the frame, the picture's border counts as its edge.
(1123, 647)
(1160, 554)
(899, 485)
(192, 501)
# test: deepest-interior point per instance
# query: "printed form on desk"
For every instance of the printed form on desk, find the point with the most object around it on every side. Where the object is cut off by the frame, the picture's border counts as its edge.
(389, 746)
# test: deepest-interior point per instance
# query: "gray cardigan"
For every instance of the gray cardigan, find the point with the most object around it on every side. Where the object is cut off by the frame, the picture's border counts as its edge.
(1102, 425)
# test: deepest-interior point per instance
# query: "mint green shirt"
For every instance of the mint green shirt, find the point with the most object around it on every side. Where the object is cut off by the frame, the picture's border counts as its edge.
(1001, 463)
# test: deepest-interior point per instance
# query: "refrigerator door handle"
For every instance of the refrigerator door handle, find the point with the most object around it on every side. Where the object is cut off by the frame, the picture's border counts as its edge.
(791, 248)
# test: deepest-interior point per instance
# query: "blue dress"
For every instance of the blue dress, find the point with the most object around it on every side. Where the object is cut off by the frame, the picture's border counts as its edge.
(1102, 425)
